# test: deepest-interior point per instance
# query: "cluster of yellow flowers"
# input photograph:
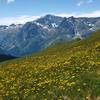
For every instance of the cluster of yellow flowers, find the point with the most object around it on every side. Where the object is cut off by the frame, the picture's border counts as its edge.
(49, 77)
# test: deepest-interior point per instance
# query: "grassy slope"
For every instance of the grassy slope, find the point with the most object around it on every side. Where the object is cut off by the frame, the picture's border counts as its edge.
(64, 71)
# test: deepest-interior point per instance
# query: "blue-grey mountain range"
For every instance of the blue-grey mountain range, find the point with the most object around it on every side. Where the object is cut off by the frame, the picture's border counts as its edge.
(22, 39)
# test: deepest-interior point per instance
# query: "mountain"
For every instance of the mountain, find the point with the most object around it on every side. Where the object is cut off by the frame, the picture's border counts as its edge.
(66, 71)
(18, 40)
(49, 21)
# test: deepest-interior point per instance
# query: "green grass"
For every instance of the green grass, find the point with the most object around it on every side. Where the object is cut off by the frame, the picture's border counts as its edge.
(66, 71)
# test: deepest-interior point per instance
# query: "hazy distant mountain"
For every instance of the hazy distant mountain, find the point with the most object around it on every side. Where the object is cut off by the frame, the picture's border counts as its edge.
(18, 40)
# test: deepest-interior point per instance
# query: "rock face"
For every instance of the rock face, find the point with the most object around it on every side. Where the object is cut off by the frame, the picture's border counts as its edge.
(19, 40)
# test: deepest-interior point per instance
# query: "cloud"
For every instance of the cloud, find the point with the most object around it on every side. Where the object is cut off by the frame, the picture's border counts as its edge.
(25, 18)
(9, 1)
(82, 2)
(89, 14)
(66, 14)
(17, 20)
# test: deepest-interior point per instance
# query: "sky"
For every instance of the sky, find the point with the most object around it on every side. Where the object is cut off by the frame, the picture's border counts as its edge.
(21, 11)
